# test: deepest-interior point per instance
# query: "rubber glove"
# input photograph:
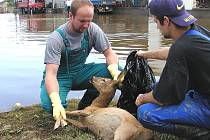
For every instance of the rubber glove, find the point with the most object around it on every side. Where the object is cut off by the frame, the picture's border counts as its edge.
(58, 109)
(113, 69)
(59, 122)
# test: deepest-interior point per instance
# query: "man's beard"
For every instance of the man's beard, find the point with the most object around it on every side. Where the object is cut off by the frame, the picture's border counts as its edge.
(77, 30)
(167, 36)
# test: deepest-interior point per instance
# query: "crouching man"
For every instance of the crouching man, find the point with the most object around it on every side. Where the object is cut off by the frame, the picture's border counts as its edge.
(180, 101)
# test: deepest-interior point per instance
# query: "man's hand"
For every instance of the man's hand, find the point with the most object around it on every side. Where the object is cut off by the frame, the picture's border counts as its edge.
(140, 53)
(113, 69)
(139, 100)
(146, 98)
(59, 113)
(59, 122)
(58, 109)
(160, 54)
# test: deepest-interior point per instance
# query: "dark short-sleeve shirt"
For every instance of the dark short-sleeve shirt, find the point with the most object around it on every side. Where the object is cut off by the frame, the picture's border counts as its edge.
(187, 68)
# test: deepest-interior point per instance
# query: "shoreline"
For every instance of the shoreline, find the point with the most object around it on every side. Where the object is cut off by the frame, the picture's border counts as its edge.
(197, 12)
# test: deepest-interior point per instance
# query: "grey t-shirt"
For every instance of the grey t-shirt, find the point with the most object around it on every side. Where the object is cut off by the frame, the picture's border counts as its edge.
(55, 44)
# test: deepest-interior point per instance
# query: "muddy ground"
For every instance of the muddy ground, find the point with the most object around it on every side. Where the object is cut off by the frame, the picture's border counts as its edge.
(33, 123)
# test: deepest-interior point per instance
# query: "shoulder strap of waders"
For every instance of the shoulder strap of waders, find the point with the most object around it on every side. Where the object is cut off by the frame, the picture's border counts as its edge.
(65, 40)
(67, 44)
(90, 38)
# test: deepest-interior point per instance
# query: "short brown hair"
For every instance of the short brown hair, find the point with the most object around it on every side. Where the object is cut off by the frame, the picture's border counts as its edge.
(76, 4)
(161, 20)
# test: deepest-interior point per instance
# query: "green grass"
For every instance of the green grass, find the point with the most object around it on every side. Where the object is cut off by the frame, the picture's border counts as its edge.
(33, 123)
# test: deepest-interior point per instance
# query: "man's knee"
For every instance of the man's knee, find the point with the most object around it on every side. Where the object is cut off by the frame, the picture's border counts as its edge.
(47, 107)
(145, 114)
(46, 102)
(102, 70)
(87, 99)
(142, 113)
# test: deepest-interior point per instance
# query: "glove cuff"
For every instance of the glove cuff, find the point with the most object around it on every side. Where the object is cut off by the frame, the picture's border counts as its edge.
(113, 69)
(55, 98)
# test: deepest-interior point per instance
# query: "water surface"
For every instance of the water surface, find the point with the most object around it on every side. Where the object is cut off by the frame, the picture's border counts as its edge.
(23, 39)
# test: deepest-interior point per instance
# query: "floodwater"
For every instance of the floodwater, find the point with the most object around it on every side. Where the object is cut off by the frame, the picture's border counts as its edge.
(22, 45)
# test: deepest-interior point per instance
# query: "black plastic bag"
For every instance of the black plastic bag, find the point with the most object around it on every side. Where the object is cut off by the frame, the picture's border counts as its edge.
(139, 79)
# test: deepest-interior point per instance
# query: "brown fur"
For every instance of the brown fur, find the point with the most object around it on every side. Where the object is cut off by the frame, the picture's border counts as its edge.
(109, 123)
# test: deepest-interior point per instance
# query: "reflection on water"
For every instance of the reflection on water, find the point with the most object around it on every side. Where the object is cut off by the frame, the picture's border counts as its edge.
(44, 22)
(125, 32)
(154, 42)
(23, 39)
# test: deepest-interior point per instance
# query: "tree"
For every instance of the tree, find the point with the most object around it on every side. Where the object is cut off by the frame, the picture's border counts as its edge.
(10, 3)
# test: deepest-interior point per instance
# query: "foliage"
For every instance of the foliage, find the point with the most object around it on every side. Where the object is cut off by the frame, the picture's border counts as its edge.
(10, 3)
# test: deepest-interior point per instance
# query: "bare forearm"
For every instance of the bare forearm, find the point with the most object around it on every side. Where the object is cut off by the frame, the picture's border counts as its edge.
(111, 56)
(112, 59)
(160, 54)
(51, 84)
(51, 78)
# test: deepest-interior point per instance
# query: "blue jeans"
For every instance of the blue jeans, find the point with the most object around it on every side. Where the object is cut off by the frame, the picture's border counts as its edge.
(194, 111)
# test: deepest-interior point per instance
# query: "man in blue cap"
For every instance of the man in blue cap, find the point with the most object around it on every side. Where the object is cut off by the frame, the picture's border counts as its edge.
(180, 101)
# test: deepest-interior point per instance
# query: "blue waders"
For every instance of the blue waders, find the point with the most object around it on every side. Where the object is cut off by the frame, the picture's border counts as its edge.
(74, 74)
(193, 111)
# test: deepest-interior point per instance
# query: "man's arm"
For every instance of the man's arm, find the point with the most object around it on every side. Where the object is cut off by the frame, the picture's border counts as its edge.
(52, 87)
(112, 62)
(161, 54)
(146, 98)
(50, 79)
(111, 56)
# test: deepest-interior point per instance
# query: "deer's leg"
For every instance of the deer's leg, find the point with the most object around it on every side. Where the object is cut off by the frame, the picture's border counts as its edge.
(77, 124)
(130, 132)
(122, 133)
(77, 113)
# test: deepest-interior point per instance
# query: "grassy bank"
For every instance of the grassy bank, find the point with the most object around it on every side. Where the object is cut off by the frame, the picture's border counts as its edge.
(33, 123)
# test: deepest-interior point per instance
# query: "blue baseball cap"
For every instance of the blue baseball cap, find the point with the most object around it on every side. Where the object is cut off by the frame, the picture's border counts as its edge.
(174, 9)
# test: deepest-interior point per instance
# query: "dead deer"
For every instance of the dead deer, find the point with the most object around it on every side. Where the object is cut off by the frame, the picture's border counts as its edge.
(108, 123)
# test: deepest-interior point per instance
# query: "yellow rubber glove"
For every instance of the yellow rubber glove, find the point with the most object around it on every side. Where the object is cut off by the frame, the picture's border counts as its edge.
(60, 122)
(113, 69)
(58, 109)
